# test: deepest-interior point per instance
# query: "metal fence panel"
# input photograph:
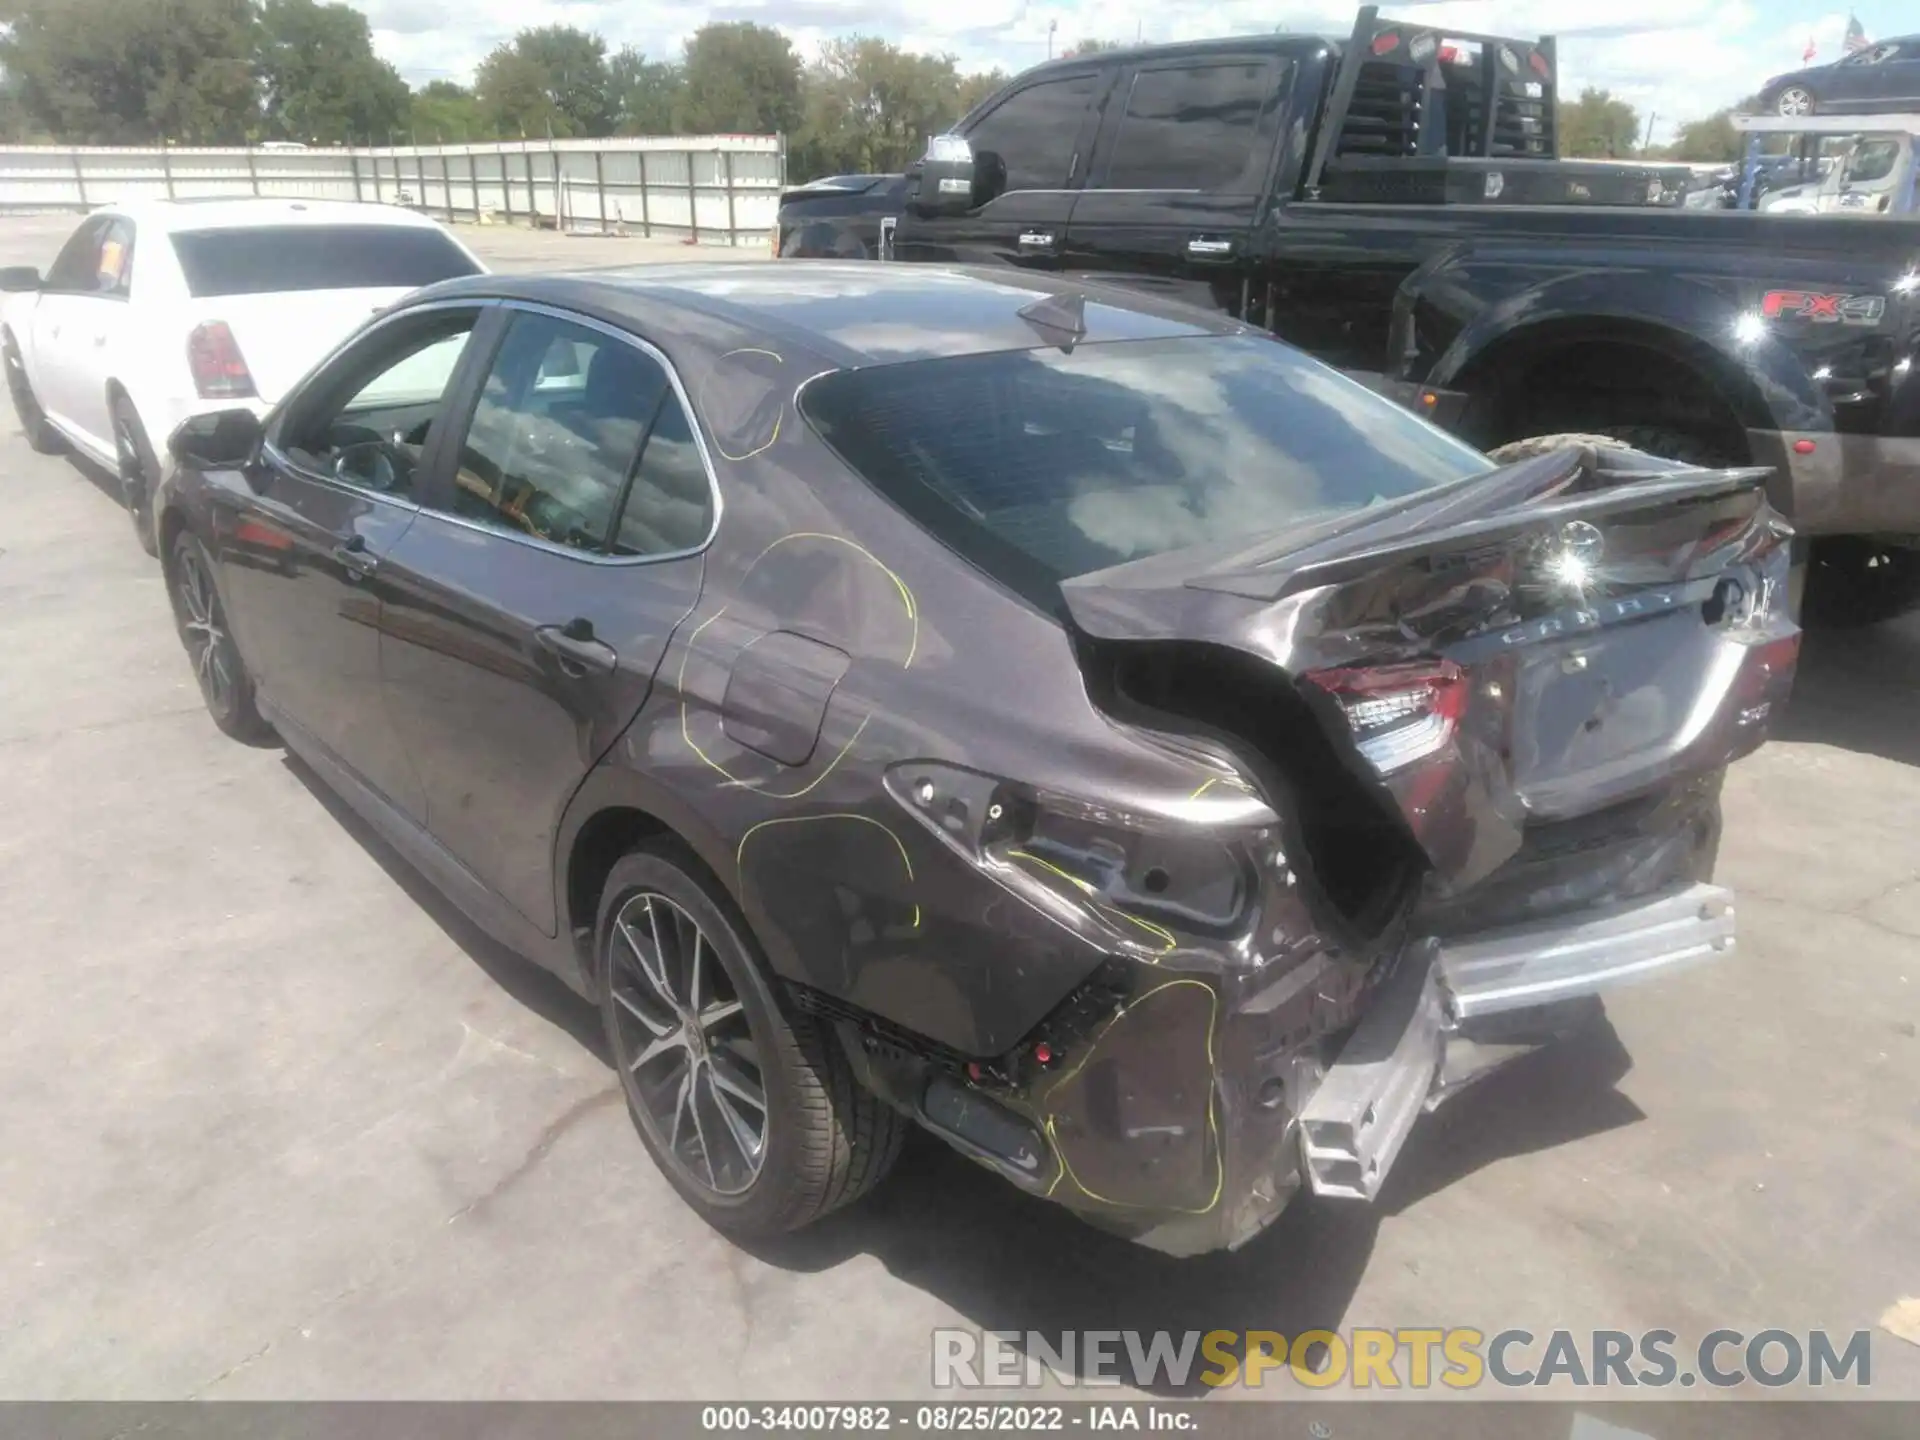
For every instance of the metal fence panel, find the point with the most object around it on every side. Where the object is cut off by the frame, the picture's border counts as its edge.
(708, 189)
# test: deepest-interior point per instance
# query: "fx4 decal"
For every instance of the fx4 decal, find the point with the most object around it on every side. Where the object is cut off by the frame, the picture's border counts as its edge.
(1823, 309)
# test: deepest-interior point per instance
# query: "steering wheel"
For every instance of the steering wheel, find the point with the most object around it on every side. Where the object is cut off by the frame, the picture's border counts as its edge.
(368, 464)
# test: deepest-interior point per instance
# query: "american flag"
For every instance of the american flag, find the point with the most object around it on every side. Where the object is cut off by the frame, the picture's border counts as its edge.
(1856, 37)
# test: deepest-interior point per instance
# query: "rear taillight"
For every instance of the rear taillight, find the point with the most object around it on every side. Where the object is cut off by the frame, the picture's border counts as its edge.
(219, 369)
(1398, 713)
(1766, 678)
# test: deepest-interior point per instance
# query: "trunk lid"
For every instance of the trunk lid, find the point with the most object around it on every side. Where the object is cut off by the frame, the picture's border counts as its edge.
(282, 335)
(1530, 645)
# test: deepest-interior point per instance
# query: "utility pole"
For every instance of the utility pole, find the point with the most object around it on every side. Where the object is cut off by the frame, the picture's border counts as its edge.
(1647, 144)
(1052, 25)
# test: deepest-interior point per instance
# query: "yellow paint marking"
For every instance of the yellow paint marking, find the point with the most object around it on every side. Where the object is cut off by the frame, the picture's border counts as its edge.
(739, 855)
(1213, 1124)
(777, 419)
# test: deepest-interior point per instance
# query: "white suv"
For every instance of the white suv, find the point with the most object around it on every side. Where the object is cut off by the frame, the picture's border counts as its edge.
(158, 310)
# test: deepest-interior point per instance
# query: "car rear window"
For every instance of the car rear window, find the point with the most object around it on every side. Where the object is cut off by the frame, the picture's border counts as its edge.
(1039, 465)
(264, 259)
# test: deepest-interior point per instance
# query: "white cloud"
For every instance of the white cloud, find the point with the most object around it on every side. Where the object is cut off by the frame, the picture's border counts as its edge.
(1672, 59)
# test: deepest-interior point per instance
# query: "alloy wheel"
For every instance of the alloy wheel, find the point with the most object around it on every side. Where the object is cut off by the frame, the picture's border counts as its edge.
(203, 627)
(1795, 101)
(685, 1047)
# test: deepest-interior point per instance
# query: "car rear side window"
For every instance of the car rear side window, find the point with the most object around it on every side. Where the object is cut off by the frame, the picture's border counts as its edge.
(259, 260)
(578, 439)
(1191, 127)
(1039, 465)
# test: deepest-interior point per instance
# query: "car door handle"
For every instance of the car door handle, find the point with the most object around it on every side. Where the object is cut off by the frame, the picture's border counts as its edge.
(1036, 242)
(574, 646)
(1208, 247)
(351, 555)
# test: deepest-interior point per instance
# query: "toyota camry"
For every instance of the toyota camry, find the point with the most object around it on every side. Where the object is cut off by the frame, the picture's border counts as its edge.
(1087, 729)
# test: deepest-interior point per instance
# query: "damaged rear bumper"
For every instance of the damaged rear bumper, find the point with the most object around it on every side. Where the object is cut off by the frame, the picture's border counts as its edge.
(1418, 1045)
(1184, 1110)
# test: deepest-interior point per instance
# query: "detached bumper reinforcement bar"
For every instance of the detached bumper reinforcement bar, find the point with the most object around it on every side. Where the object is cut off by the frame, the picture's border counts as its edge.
(1353, 1126)
(1536, 965)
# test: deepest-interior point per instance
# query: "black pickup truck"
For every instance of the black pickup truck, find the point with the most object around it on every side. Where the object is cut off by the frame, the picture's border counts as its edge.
(1394, 204)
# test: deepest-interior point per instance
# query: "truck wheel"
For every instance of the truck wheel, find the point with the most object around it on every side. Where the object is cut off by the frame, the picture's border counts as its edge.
(1854, 581)
(751, 1110)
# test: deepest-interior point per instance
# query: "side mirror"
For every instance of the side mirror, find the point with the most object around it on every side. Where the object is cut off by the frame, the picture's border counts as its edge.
(16, 278)
(221, 440)
(946, 177)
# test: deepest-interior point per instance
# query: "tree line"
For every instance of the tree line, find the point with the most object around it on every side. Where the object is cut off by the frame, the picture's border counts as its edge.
(1601, 126)
(229, 72)
(234, 72)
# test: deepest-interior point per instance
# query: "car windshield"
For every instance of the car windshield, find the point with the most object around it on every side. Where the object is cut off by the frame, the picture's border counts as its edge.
(1039, 465)
(259, 260)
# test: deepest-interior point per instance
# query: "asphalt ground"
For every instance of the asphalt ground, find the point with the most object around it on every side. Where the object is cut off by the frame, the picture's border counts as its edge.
(279, 1123)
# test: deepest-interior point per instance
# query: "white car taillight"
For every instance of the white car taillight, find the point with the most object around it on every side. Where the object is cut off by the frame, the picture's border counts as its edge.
(219, 369)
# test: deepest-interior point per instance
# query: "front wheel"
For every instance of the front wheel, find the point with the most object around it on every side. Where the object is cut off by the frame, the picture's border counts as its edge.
(33, 420)
(222, 676)
(751, 1112)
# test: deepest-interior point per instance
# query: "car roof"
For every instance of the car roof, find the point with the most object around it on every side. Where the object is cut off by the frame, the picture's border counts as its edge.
(174, 216)
(852, 314)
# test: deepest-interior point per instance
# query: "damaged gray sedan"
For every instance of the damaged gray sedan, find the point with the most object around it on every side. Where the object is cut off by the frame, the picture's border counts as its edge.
(1096, 733)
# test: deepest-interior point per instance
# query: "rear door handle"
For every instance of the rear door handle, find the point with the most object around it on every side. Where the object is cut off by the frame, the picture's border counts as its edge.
(574, 646)
(1036, 242)
(1209, 247)
(351, 555)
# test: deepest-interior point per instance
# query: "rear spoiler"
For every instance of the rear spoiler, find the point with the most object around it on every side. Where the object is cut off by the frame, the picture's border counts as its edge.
(1552, 490)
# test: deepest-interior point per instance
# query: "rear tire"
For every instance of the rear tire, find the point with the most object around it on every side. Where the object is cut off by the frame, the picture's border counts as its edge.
(823, 1138)
(139, 470)
(33, 420)
(222, 676)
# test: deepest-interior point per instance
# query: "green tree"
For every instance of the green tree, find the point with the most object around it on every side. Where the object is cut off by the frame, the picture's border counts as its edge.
(872, 106)
(741, 78)
(645, 92)
(978, 86)
(1710, 139)
(1598, 126)
(106, 72)
(553, 77)
(1089, 47)
(320, 80)
(443, 111)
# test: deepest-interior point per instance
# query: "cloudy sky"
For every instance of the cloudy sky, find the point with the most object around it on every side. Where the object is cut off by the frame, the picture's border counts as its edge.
(1674, 59)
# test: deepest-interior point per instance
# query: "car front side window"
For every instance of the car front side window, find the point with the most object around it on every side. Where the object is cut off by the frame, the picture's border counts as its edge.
(365, 422)
(76, 269)
(1033, 133)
